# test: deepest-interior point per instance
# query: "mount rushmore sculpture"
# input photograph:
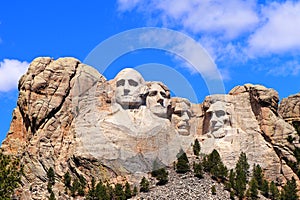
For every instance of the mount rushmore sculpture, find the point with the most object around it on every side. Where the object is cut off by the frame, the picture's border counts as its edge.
(70, 118)
(141, 129)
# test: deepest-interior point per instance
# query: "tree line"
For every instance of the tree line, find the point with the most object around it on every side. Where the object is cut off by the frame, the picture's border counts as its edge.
(237, 181)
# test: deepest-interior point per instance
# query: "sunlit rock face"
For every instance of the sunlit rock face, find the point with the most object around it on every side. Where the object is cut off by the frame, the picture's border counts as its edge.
(289, 109)
(158, 99)
(132, 132)
(246, 121)
(70, 118)
(181, 114)
(128, 85)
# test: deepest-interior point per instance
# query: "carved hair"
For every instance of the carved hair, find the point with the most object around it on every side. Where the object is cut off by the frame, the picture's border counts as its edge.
(176, 100)
(163, 86)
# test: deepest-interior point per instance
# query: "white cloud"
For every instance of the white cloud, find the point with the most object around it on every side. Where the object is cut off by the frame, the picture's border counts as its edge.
(280, 32)
(124, 5)
(223, 51)
(10, 73)
(181, 45)
(229, 18)
(288, 68)
(234, 32)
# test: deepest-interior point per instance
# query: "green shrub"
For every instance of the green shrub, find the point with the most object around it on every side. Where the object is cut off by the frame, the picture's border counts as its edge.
(144, 185)
(11, 172)
(182, 165)
(161, 175)
(213, 190)
(128, 192)
(196, 148)
(51, 179)
(241, 171)
(198, 170)
(213, 164)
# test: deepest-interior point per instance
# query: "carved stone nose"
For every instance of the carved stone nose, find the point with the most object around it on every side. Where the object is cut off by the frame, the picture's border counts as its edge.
(126, 92)
(214, 117)
(185, 116)
(161, 102)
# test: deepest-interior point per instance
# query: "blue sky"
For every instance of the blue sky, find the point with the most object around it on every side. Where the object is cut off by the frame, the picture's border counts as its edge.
(249, 41)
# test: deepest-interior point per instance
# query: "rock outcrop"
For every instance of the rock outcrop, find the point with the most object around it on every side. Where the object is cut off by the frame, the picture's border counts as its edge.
(246, 120)
(70, 118)
(289, 109)
(42, 127)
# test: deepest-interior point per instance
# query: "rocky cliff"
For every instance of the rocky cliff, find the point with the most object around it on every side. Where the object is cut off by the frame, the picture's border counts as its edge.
(289, 109)
(70, 118)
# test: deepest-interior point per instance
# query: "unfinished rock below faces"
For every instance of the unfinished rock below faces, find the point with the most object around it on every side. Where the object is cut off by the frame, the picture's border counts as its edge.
(247, 121)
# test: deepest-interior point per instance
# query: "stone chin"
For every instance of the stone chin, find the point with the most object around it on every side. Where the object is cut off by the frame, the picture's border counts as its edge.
(183, 131)
(216, 128)
(159, 110)
(219, 133)
(129, 101)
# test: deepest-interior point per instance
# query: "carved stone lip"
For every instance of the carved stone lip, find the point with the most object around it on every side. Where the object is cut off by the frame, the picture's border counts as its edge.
(183, 126)
(127, 95)
(158, 105)
(216, 127)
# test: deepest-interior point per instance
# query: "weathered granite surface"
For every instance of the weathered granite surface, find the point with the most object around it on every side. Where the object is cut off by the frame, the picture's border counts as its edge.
(70, 118)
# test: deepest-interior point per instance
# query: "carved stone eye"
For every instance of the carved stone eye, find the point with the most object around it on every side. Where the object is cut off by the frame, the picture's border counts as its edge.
(152, 93)
(164, 95)
(220, 113)
(133, 83)
(120, 83)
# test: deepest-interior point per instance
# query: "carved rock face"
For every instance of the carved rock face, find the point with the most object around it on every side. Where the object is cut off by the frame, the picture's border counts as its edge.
(181, 116)
(219, 118)
(157, 99)
(128, 85)
(65, 119)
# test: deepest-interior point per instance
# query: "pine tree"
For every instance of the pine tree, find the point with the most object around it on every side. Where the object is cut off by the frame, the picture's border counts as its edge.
(92, 191)
(119, 194)
(67, 181)
(241, 171)
(198, 170)
(213, 164)
(221, 172)
(265, 188)
(182, 165)
(51, 179)
(289, 191)
(258, 175)
(161, 175)
(128, 193)
(74, 188)
(274, 192)
(10, 175)
(196, 148)
(253, 189)
(231, 182)
(52, 196)
(144, 185)
(232, 195)
(135, 191)
(212, 159)
(82, 185)
(110, 191)
(213, 190)
(101, 192)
